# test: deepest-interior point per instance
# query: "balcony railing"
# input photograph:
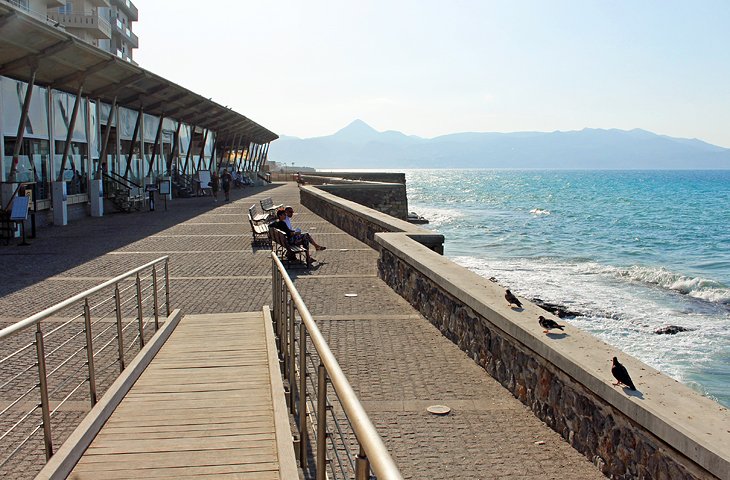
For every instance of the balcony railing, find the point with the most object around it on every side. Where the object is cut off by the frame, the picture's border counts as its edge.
(129, 8)
(127, 33)
(93, 23)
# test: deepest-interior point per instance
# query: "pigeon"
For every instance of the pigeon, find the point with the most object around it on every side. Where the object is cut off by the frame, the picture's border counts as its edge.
(548, 324)
(511, 299)
(621, 375)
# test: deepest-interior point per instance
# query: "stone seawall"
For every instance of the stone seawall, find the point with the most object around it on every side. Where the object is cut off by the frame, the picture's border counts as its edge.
(664, 430)
(362, 222)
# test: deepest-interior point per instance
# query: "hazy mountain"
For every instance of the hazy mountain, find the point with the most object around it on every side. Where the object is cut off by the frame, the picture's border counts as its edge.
(360, 146)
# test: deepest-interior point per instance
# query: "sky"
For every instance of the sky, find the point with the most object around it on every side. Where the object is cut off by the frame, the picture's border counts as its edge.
(429, 68)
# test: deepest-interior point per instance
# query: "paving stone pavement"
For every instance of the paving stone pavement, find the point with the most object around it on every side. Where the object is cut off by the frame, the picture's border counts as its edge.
(397, 362)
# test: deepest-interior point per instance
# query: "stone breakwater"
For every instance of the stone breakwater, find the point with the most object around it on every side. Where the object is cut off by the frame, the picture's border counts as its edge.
(665, 430)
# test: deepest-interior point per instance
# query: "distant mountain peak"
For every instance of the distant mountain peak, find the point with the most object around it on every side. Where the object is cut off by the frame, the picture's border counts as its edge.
(357, 129)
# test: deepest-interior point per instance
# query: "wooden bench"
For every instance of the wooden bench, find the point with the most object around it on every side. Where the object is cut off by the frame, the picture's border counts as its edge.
(260, 232)
(287, 252)
(256, 216)
(267, 205)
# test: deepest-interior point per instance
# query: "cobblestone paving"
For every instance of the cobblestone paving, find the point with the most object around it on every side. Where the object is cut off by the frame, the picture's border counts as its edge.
(397, 362)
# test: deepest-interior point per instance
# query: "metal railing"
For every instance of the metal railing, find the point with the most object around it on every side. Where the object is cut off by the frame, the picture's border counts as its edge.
(47, 358)
(338, 424)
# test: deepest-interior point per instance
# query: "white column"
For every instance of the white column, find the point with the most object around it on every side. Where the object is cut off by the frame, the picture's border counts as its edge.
(60, 203)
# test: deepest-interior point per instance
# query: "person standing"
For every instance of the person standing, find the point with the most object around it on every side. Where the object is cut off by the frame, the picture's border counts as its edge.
(226, 180)
(214, 185)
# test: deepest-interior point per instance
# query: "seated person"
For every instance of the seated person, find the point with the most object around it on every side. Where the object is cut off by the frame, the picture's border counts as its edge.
(289, 214)
(294, 238)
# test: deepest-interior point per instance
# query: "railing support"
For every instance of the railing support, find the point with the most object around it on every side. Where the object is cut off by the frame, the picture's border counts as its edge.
(362, 466)
(321, 422)
(43, 384)
(154, 296)
(292, 359)
(89, 352)
(167, 286)
(140, 317)
(120, 331)
(303, 431)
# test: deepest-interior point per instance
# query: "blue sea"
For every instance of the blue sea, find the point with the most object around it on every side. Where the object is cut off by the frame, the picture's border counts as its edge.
(631, 251)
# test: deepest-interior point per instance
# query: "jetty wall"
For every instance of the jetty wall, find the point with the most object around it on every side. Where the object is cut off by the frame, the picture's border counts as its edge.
(662, 430)
(381, 191)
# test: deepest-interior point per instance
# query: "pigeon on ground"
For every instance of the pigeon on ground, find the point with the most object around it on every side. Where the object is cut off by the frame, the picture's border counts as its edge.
(621, 375)
(548, 324)
(511, 299)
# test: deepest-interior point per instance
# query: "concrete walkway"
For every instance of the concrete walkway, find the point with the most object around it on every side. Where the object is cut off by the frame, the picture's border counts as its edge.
(397, 362)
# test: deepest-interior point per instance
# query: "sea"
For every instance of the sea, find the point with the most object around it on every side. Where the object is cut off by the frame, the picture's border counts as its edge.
(629, 252)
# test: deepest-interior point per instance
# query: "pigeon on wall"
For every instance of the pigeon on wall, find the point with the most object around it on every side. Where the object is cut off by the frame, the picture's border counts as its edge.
(511, 299)
(548, 324)
(621, 375)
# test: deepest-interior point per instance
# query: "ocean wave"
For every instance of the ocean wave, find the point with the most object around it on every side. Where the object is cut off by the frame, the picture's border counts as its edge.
(539, 211)
(697, 287)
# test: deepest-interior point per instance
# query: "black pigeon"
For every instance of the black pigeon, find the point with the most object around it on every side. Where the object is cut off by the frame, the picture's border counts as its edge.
(511, 299)
(548, 324)
(621, 375)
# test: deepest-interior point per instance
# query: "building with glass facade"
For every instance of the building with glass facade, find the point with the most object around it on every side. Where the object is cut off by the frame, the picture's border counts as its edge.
(72, 114)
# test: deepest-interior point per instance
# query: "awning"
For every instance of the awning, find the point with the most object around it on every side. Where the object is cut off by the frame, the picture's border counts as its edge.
(63, 62)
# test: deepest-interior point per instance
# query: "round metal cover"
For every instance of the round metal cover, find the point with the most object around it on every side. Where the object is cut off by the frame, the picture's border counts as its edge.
(439, 409)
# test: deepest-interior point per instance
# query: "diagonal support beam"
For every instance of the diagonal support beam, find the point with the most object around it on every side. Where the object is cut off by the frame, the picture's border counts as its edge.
(134, 141)
(69, 134)
(156, 146)
(107, 132)
(21, 126)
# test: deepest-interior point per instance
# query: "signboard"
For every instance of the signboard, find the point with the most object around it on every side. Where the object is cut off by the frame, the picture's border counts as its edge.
(19, 212)
(165, 187)
(204, 176)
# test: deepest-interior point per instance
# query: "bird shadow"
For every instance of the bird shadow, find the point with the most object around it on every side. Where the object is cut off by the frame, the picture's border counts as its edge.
(517, 309)
(557, 336)
(633, 393)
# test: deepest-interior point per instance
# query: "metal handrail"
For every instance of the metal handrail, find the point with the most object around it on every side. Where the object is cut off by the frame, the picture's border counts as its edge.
(34, 319)
(373, 453)
(63, 367)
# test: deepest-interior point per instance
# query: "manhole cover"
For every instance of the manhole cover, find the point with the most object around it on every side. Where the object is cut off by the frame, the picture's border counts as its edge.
(439, 409)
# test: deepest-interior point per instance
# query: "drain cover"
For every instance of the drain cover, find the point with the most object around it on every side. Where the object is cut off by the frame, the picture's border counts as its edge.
(439, 409)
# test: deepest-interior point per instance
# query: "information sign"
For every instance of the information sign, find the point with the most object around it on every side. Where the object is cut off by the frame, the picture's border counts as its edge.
(19, 212)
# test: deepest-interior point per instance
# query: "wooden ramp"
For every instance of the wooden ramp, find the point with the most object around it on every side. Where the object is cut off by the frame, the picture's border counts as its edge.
(211, 403)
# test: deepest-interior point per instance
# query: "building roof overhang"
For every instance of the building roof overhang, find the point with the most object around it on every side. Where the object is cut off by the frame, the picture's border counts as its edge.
(64, 62)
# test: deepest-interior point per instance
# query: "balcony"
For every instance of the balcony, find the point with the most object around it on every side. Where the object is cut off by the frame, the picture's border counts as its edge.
(126, 33)
(92, 23)
(99, 3)
(55, 3)
(129, 8)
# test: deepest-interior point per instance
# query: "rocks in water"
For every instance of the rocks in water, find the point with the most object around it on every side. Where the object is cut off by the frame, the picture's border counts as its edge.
(558, 310)
(672, 330)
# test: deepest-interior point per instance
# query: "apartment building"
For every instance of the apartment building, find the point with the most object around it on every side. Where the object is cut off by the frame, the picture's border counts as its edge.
(106, 24)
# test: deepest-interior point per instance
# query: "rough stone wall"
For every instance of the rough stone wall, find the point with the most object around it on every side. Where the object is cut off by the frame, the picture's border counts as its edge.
(618, 446)
(388, 198)
(386, 177)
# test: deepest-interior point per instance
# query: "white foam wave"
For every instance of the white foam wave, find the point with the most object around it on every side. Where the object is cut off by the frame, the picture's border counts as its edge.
(539, 211)
(697, 287)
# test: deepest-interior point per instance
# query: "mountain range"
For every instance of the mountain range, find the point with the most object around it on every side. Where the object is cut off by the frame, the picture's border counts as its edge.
(360, 146)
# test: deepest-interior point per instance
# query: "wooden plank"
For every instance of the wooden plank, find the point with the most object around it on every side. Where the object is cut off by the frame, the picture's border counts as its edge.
(262, 470)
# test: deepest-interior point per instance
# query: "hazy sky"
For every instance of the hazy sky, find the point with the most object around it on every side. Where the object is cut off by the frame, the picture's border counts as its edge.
(427, 68)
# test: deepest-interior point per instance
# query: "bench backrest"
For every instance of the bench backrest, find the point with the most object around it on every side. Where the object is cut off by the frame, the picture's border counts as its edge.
(267, 203)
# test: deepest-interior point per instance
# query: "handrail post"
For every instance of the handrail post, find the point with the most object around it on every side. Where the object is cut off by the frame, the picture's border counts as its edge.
(154, 296)
(120, 332)
(43, 385)
(292, 359)
(167, 286)
(303, 432)
(139, 312)
(89, 352)
(321, 422)
(362, 466)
